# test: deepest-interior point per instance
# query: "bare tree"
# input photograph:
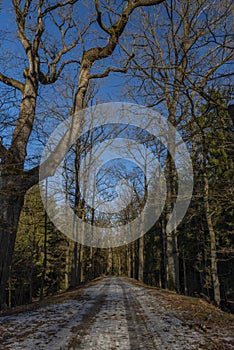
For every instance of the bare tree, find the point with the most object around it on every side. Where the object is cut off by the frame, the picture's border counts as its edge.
(44, 58)
(185, 50)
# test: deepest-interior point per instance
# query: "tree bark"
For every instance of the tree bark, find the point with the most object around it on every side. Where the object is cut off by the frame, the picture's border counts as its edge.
(80, 269)
(185, 275)
(110, 261)
(172, 259)
(43, 277)
(67, 267)
(134, 268)
(13, 185)
(74, 267)
(10, 208)
(141, 259)
(213, 253)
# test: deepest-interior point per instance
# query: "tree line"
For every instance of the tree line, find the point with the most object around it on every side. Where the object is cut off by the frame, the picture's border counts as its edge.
(176, 57)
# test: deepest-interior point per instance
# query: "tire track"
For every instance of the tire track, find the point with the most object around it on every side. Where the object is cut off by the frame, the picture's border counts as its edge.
(83, 328)
(113, 314)
(105, 327)
(80, 323)
(140, 334)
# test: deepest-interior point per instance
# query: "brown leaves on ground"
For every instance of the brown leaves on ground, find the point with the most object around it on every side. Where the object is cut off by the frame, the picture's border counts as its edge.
(199, 315)
(73, 293)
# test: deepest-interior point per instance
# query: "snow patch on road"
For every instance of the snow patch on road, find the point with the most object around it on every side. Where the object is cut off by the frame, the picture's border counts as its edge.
(46, 328)
(114, 314)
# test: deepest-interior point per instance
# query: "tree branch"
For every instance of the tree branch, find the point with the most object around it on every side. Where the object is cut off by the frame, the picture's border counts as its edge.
(20, 20)
(112, 69)
(99, 18)
(40, 28)
(107, 72)
(53, 71)
(11, 82)
(57, 5)
(26, 7)
(138, 3)
(88, 59)
(115, 31)
(47, 79)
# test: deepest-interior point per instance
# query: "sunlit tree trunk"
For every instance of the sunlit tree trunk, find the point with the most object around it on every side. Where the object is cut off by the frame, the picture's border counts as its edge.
(213, 253)
(172, 259)
(141, 259)
(67, 267)
(110, 261)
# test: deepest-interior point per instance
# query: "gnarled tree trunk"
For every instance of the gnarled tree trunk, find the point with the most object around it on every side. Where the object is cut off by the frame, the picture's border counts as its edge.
(14, 181)
(10, 207)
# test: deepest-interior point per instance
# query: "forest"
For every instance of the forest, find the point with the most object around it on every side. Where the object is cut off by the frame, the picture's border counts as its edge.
(60, 59)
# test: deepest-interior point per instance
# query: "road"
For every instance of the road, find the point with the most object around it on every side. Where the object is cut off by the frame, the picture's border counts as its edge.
(112, 314)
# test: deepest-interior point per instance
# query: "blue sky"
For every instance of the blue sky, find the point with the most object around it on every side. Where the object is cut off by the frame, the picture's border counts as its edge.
(108, 89)
(111, 88)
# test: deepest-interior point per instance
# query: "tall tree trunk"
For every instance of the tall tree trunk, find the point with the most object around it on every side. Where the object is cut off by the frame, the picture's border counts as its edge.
(119, 263)
(80, 268)
(172, 259)
(173, 281)
(213, 253)
(12, 184)
(10, 208)
(133, 260)
(163, 254)
(74, 266)
(97, 263)
(128, 253)
(110, 261)
(141, 259)
(67, 266)
(9, 292)
(185, 274)
(43, 277)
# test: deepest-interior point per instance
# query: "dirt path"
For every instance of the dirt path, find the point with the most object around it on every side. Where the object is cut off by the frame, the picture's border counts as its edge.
(113, 314)
(125, 317)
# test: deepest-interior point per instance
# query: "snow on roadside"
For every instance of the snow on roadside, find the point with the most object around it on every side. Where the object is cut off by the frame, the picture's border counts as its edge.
(36, 329)
(174, 334)
(104, 314)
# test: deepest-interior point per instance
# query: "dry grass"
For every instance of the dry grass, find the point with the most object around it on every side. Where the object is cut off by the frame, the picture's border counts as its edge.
(199, 315)
(196, 313)
(73, 293)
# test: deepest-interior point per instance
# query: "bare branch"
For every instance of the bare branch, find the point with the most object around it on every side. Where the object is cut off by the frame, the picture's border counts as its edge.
(116, 31)
(138, 3)
(99, 18)
(53, 71)
(124, 69)
(107, 72)
(26, 7)
(40, 28)
(57, 5)
(50, 79)
(207, 76)
(12, 82)
(20, 20)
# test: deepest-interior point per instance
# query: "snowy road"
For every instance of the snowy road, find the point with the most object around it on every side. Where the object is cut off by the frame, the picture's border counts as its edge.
(113, 314)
